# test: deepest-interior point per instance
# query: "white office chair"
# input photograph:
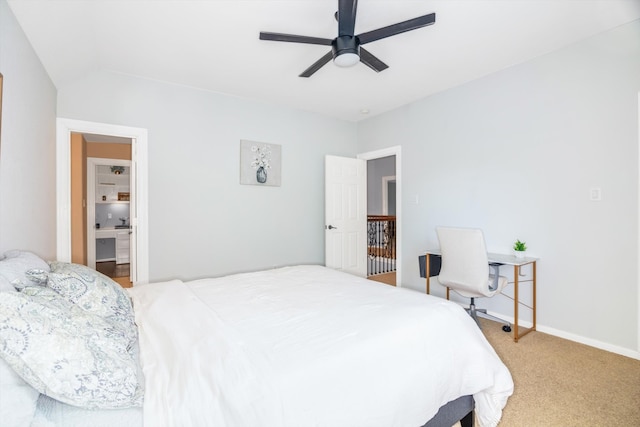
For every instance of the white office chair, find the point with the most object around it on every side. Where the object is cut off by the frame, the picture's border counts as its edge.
(465, 268)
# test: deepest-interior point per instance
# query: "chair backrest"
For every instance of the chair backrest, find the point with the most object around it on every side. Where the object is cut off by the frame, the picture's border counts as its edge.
(465, 266)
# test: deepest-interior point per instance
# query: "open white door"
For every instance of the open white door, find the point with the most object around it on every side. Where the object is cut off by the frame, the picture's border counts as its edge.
(133, 213)
(346, 214)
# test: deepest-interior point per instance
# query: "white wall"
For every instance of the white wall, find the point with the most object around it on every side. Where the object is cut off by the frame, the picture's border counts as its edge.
(516, 153)
(194, 147)
(27, 146)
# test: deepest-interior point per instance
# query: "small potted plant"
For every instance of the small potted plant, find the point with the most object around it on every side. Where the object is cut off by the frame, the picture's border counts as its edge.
(520, 249)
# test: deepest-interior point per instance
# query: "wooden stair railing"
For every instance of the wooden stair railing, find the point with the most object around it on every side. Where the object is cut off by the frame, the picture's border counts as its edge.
(381, 237)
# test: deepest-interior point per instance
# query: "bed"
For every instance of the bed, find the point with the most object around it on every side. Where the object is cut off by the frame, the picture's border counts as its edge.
(293, 346)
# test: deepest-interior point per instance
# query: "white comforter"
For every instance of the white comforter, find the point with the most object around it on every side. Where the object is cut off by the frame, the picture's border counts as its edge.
(308, 346)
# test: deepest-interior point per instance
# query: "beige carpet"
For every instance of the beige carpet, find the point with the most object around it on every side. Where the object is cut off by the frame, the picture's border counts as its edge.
(560, 383)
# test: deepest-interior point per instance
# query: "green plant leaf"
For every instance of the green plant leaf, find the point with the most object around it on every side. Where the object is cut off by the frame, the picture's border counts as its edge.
(519, 246)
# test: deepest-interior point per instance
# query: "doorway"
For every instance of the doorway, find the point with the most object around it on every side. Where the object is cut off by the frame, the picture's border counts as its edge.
(110, 206)
(384, 212)
(381, 220)
(139, 167)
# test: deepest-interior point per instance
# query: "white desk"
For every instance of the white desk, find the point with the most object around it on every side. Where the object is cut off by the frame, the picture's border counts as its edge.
(517, 264)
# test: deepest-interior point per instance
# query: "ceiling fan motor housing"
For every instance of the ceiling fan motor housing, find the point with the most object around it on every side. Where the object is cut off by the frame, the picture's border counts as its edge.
(345, 44)
(348, 46)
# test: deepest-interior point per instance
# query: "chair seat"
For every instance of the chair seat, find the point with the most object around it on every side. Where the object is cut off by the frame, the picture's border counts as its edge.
(473, 292)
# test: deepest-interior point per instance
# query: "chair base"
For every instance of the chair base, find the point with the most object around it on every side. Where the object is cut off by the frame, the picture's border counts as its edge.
(480, 312)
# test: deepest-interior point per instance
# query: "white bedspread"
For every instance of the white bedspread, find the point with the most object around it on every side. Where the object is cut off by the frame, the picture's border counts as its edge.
(309, 346)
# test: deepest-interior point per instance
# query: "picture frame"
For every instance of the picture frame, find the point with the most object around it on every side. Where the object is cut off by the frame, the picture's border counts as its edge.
(260, 163)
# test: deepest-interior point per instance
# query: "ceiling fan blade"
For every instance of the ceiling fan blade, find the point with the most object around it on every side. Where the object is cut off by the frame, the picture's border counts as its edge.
(292, 38)
(371, 61)
(317, 65)
(347, 17)
(401, 27)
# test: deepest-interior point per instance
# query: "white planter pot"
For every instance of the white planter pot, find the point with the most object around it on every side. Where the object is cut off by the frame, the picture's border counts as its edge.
(520, 254)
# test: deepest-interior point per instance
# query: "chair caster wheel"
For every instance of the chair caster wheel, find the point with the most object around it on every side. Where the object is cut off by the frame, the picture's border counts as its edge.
(506, 328)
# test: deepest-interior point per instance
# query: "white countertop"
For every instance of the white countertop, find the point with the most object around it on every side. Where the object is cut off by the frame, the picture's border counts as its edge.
(109, 232)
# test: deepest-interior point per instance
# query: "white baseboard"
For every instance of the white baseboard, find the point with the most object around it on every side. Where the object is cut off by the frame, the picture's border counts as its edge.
(573, 337)
(590, 342)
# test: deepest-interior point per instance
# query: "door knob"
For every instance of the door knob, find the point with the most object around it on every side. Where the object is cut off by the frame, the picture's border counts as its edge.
(331, 227)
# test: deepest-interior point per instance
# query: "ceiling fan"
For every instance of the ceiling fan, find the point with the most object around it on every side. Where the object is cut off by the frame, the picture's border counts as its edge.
(346, 49)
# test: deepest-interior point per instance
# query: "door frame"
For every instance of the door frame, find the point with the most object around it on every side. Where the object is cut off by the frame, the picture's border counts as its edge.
(385, 193)
(139, 157)
(638, 243)
(397, 152)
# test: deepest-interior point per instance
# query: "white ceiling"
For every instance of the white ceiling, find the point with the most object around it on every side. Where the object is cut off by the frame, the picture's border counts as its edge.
(214, 45)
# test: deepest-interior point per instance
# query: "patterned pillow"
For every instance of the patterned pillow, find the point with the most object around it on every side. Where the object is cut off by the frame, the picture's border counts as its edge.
(37, 276)
(95, 293)
(65, 352)
(13, 268)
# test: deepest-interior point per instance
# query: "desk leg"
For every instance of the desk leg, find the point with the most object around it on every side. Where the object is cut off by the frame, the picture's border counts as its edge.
(427, 268)
(533, 328)
(516, 275)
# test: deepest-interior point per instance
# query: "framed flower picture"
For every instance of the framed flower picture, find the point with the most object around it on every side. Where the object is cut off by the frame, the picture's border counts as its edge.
(260, 163)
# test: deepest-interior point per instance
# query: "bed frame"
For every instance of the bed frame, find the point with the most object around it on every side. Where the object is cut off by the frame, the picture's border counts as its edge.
(460, 409)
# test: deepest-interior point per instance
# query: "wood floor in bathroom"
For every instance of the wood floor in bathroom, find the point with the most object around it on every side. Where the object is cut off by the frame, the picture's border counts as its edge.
(118, 272)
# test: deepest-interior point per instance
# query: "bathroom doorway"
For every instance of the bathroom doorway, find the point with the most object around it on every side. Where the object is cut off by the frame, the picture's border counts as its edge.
(71, 221)
(110, 206)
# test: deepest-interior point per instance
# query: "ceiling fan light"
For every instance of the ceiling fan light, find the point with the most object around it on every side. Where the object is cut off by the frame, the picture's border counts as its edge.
(346, 59)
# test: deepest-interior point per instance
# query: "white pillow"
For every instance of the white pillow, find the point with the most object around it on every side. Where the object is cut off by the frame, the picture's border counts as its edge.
(5, 285)
(14, 267)
(18, 399)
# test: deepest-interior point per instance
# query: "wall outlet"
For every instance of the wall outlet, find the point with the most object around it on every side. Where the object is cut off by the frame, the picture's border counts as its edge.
(595, 194)
(109, 215)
